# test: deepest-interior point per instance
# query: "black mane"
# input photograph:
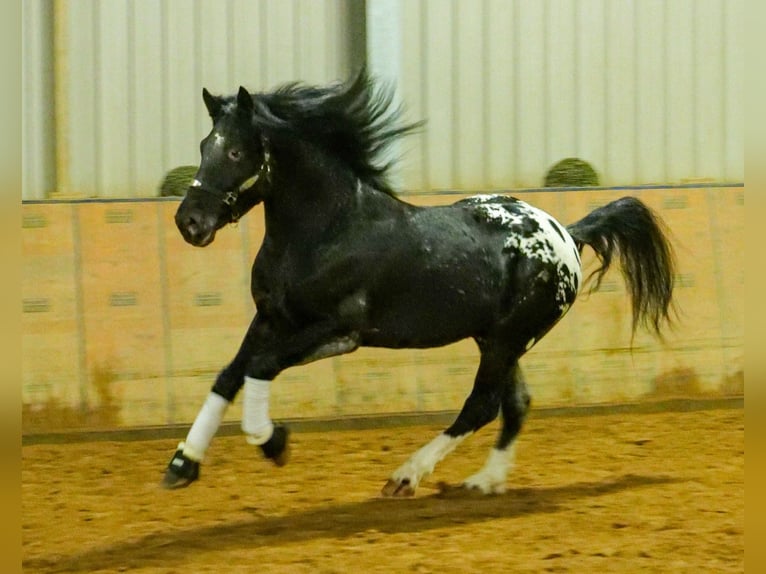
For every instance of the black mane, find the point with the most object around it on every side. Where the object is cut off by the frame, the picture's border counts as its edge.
(353, 121)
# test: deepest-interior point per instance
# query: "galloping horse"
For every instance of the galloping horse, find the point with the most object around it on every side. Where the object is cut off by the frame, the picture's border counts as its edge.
(345, 263)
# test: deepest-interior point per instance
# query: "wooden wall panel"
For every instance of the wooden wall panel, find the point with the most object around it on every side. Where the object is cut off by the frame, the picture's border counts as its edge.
(51, 342)
(374, 380)
(127, 325)
(123, 308)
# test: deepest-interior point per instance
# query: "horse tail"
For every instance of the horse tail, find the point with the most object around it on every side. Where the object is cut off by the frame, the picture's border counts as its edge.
(627, 226)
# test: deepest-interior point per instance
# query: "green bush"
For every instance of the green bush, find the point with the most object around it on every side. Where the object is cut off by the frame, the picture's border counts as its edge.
(177, 180)
(571, 172)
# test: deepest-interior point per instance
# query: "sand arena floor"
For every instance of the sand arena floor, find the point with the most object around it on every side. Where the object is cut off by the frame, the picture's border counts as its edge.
(606, 493)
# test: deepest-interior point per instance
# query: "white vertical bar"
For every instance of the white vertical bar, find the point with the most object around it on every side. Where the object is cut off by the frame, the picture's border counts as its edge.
(113, 129)
(384, 49)
(213, 47)
(708, 89)
(439, 53)
(147, 84)
(76, 102)
(620, 93)
(413, 162)
(530, 94)
(650, 92)
(186, 113)
(247, 57)
(734, 82)
(469, 96)
(312, 42)
(384, 38)
(561, 83)
(280, 57)
(591, 88)
(680, 86)
(499, 119)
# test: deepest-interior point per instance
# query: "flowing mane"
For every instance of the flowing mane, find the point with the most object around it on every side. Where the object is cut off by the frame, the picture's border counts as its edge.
(353, 121)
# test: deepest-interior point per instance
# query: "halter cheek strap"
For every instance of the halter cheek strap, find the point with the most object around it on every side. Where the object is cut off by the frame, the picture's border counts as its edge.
(232, 196)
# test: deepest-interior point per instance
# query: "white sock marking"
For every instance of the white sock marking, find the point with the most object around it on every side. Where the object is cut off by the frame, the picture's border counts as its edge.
(422, 463)
(491, 478)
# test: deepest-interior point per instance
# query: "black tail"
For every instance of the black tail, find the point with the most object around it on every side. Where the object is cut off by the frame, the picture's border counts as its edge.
(646, 256)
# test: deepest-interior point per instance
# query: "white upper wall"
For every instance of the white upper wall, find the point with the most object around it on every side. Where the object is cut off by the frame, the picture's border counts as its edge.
(129, 77)
(648, 91)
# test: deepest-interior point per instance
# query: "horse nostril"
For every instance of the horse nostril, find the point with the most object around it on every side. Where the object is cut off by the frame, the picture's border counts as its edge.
(192, 225)
(188, 225)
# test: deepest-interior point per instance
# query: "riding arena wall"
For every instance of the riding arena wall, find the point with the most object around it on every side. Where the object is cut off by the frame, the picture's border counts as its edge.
(125, 326)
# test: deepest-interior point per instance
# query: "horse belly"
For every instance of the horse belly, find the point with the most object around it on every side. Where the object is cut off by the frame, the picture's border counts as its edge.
(425, 317)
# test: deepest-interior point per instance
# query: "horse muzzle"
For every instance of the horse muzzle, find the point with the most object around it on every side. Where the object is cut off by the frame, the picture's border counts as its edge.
(197, 228)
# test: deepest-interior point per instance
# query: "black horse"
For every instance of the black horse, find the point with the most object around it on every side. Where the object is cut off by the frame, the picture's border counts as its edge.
(345, 263)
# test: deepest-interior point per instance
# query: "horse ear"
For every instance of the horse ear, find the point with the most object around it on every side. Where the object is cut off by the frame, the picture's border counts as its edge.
(244, 100)
(213, 103)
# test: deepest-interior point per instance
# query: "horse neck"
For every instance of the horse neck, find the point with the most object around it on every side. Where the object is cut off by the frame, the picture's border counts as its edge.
(312, 195)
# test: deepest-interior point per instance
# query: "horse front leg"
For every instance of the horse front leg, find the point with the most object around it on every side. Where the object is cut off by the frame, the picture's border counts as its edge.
(264, 353)
(184, 466)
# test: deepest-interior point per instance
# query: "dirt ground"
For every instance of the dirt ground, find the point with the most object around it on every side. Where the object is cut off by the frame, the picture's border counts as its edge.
(607, 493)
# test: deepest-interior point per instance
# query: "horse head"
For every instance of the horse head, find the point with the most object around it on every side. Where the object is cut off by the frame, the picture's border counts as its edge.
(235, 164)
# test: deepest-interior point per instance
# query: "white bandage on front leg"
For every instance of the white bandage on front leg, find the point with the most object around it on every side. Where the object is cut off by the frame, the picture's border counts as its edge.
(205, 426)
(256, 423)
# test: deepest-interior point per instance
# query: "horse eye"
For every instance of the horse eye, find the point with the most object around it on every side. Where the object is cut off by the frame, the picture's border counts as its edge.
(235, 154)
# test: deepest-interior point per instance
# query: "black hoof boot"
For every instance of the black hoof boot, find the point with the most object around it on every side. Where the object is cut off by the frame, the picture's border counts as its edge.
(181, 472)
(277, 447)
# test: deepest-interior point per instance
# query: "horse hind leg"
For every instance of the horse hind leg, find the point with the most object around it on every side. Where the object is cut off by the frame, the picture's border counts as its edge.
(514, 405)
(530, 321)
(481, 407)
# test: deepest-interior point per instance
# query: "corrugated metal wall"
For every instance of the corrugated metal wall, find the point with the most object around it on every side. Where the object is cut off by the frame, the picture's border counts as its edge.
(648, 91)
(129, 75)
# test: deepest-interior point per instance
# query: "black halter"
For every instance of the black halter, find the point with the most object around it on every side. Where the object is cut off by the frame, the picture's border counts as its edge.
(231, 197)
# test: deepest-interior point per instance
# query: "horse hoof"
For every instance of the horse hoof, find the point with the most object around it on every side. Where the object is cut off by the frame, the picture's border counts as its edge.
(181, 471)
(277, 447)
(398, 489)
(283, 458)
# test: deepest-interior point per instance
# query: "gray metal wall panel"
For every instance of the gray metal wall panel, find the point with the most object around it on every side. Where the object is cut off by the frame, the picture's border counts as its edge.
(130, 72)
(734, 83)
(499, 149)
(650, 100)
(648, 91)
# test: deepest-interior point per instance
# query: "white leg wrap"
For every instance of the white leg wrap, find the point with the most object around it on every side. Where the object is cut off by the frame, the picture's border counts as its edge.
(256, 423)
(205, 426)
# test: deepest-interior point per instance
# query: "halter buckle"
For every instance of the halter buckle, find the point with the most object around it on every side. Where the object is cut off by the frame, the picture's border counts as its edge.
(230, 198)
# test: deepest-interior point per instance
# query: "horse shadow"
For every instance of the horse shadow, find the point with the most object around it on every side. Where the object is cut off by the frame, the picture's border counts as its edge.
(378, 516)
